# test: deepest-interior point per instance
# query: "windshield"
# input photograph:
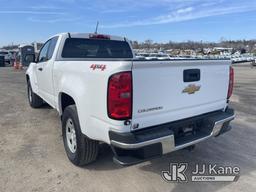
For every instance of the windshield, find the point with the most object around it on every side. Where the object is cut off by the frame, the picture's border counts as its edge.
(96, 48)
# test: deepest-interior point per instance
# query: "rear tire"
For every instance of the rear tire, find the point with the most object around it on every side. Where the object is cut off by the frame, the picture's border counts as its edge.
(80, 149)
(34, 100)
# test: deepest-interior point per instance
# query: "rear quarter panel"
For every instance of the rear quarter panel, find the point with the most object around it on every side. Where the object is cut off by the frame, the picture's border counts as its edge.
(88, 87)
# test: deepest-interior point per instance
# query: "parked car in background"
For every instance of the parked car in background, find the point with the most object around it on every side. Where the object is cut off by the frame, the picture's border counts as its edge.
(163, 56)
(6, 56)
(2, 61)
(235, 59)
(249, 58)
(254, 63)
(148, 56)
(242, 58)
(152, 56)
(139, 57)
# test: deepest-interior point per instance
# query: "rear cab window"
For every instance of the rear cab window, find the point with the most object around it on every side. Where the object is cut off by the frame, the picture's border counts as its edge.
(96, 48)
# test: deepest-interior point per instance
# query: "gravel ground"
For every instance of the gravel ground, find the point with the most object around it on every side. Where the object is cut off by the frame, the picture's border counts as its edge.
(33, 157)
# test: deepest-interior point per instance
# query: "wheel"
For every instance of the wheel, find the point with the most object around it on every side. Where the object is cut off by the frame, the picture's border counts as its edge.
(80, 149)
(34, 100)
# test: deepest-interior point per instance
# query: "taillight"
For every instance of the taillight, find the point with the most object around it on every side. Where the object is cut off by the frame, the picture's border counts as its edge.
(120, 96)
(231, 82)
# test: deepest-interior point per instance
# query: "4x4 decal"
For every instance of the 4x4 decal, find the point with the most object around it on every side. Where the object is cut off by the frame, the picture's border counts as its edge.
(96, 66)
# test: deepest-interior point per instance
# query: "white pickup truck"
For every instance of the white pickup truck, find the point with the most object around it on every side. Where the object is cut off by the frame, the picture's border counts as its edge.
(142, 109)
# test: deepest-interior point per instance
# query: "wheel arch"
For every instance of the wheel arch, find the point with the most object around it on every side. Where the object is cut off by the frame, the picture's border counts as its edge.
(65, 100)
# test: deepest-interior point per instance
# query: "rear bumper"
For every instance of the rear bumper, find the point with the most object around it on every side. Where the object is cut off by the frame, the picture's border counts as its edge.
(138, 146)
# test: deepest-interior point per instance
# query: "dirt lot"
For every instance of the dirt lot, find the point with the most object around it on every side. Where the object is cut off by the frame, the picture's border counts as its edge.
(33, 157)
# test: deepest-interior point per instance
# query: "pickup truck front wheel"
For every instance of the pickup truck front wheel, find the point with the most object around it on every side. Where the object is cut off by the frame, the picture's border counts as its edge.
(34, 100)
(80, 149)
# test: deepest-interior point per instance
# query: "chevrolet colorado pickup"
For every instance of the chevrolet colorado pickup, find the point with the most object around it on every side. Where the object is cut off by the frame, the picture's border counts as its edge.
(142, 109)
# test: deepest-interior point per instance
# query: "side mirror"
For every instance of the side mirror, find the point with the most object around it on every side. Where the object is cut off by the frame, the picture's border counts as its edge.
(30, 58)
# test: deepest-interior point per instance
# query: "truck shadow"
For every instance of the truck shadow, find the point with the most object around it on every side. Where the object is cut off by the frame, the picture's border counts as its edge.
(46, 106)
(104, 161)
(229, 150)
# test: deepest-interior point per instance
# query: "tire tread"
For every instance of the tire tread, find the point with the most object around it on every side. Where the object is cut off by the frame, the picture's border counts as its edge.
(88, 148)
(37, 101)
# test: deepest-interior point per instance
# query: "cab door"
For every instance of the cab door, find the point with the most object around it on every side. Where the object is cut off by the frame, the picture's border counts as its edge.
(44, 71)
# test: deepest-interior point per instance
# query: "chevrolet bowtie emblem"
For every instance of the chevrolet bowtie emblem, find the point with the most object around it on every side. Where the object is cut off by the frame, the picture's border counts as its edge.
(191, 89)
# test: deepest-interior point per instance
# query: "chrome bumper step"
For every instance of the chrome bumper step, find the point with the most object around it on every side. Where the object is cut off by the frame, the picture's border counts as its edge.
(168, 143)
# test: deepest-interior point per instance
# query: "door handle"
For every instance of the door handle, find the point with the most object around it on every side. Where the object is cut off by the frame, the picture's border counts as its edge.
(191, 75)
(40, 69)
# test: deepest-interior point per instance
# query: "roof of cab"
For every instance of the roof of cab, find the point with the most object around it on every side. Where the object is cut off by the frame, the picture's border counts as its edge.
(87, 35)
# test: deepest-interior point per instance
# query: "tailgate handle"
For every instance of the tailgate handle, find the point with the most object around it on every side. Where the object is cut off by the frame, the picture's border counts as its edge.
(191, 75)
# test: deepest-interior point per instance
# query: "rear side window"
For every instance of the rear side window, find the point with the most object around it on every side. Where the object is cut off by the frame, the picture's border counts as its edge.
(52, 47)
(95, 48)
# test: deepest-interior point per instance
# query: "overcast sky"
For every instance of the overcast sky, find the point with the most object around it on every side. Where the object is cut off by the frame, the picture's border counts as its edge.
(26, 21)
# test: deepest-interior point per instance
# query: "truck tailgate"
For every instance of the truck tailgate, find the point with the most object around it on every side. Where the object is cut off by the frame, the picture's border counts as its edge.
(165, 91)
